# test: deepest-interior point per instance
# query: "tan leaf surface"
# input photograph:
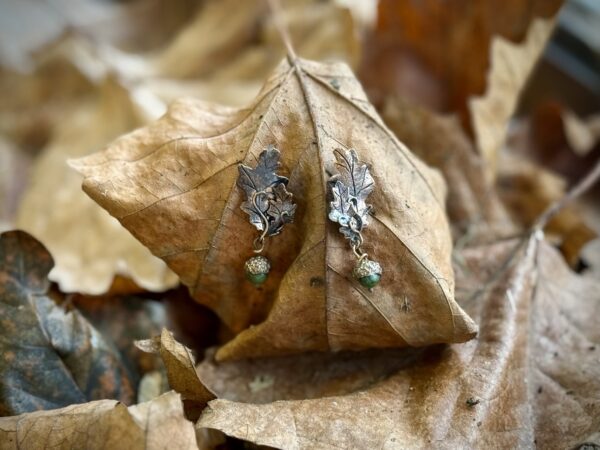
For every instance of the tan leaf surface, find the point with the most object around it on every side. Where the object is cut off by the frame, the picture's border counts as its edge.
(172, 184)
(511, 65)
(532, 378)
(180, 366)
(88, 245)
(157, 424)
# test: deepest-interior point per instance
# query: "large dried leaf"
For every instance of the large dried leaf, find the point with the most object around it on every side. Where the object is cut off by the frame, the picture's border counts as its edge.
(173, 185)
(51, 357)
(531, 378)
(89, 246)
(154, 425)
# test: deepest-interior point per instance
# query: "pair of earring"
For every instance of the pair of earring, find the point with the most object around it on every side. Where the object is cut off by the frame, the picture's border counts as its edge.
(270, 206)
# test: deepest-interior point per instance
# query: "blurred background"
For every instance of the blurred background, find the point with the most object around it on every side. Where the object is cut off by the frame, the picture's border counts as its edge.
(75, 75)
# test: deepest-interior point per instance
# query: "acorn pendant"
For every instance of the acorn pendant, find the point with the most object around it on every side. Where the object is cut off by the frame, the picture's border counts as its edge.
(269, 206)
(367, 272)
(257, 269)
(349, 208)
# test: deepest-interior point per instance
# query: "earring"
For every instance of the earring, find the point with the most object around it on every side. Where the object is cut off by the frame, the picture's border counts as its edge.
(350, 189)
(269, 205)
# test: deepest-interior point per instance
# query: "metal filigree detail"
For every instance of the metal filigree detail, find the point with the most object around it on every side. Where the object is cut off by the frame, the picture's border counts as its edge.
(268, 202)
(350, 189)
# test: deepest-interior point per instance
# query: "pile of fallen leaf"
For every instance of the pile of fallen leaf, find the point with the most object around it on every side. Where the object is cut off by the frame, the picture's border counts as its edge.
(125, 318)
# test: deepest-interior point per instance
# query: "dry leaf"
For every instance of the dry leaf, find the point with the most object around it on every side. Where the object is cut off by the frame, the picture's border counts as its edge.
(473, 204)
(172, 184)
(89, 246)
(527, 190)
(51, 357)
(511, 65)
(532, 378)
(180, 366)
(103, 424)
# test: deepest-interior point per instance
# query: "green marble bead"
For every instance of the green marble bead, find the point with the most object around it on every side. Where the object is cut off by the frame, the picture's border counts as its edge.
(257, 269)
(370, 281)
(367, 272)
(257, 278)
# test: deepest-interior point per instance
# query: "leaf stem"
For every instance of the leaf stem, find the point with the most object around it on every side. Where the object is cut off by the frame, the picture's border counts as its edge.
(579, 189)
(276, 11)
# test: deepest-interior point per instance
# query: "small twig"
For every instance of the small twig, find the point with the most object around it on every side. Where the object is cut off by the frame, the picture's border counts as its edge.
(276, 11)
(580, 188)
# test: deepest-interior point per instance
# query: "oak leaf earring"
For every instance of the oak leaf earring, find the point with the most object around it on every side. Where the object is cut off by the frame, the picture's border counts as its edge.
(350, 189)
(268, 204)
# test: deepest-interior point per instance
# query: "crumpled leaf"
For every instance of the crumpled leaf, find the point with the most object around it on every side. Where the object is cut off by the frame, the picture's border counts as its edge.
(180, 366)
(154, 425)
(172, 184)
(51, 357)
(89, 246)
(511, 65)
(474, 207)
(531, 379)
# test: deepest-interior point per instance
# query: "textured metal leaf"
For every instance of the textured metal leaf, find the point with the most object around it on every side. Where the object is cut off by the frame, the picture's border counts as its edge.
(350, 189)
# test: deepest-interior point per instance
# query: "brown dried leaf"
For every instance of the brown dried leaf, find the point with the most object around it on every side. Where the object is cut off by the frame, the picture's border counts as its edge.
(180, 365)
(172, 184)
(51, 357)
(531, 378)
(154, 425)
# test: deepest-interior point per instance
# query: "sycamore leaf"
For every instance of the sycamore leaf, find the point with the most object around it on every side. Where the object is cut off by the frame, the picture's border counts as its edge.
(173, 185)
(154, 425)
(532, 378)
(51, 357)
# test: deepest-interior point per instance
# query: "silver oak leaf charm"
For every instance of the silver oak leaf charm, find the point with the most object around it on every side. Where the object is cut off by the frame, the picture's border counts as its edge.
(350, 189)
(268, 203)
